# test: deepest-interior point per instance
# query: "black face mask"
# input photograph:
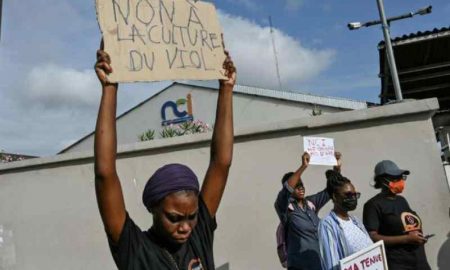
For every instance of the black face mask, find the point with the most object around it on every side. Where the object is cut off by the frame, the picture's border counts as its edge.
(349, 204)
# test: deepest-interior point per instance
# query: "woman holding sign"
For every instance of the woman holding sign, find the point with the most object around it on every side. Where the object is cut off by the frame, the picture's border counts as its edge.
(341, 234)
(388, 217)
(299, 220)
(183, 214)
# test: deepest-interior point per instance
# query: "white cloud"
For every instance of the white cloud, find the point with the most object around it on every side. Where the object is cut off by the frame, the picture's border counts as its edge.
(56, 86)
(251, 48)
(61, 107)
(49, 92)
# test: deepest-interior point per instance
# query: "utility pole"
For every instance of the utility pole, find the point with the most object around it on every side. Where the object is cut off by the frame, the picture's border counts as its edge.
(385, 22)
(1, 5)
(390, 52)
(280, 87)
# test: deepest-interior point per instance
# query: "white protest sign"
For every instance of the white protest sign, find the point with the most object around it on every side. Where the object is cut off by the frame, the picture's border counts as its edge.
(153, 40)
(370, 258)
(321, 150)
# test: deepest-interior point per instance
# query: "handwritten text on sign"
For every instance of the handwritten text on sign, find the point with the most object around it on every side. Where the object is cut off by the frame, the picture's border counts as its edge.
(371, 258)
(321, 150)
(150, 40)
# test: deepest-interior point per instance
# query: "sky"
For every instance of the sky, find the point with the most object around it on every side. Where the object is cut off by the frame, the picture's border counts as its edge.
(49, 94)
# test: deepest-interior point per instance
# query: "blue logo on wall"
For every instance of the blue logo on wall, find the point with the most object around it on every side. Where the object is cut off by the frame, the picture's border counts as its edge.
(180, 116)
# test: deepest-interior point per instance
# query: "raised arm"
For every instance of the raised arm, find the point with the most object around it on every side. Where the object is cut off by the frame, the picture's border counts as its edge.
(107, 186)
(321, 198)
(297, 176)
(282, 201)
(222, 142)
(338, 166)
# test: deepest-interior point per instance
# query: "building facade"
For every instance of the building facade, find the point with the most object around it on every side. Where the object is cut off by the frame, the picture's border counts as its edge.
(49, 206)
(181, 102)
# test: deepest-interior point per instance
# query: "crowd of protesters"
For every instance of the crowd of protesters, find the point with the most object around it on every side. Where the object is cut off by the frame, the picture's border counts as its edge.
(183, 213)
(310, 243)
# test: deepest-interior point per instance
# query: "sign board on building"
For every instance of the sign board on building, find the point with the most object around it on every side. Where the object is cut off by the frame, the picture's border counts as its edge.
(370, 258)
(321, 150)
(179, 115)
(152, 40)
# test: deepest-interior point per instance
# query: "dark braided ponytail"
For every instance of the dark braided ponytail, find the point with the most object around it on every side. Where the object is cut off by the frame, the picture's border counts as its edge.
(335, 180)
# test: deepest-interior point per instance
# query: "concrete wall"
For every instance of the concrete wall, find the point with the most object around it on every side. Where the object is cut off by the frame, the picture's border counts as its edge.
(248, 111)
(50, 203)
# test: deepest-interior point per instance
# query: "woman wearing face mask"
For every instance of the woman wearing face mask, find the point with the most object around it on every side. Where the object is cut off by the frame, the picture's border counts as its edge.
(298, 214)
(340, 234)
(388, 217)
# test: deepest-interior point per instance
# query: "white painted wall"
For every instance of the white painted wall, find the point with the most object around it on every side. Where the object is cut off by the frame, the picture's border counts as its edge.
(447, 173)
(50, 203)
(248, 111)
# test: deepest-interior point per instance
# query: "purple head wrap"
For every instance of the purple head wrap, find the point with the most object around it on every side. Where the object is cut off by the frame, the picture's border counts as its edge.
(166, 180)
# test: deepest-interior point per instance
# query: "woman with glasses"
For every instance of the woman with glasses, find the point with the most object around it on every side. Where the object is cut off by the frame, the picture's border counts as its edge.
(341, 234)
(388, 217)
(298, 215)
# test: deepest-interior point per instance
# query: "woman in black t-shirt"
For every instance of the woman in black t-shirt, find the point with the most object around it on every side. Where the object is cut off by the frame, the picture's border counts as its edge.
(183, 214)
(388, 217)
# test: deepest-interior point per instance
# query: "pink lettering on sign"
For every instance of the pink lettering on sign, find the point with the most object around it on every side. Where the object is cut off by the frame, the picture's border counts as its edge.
(367, 262)
(371, 258)
(352, 267)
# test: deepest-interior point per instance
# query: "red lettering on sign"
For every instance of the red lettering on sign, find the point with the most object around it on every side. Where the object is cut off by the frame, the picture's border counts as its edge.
(367, 262)
(352, 267)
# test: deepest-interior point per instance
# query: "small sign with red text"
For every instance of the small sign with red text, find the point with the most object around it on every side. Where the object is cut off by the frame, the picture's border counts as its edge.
(370, 258)
(321, 150)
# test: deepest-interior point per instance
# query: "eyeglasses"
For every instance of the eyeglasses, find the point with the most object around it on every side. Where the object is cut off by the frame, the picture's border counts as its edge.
(300, 186)
(352, 195)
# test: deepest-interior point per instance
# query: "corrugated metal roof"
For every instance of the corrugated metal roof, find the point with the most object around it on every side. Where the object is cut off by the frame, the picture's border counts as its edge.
(418, 36)
(300, 97)
(291, 96)
(423, 64)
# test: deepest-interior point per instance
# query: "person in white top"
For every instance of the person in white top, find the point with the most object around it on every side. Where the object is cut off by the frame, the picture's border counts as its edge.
(341, 234)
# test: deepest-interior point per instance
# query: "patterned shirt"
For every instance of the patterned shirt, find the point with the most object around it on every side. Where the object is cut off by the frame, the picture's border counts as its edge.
(356, 238)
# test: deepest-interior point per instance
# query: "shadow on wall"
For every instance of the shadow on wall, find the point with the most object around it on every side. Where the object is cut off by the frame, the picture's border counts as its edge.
(224, 267)
(443, 255)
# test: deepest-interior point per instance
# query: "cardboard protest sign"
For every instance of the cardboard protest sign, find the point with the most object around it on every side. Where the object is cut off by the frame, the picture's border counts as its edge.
(152, 40)
(321, 150)
(370, 258)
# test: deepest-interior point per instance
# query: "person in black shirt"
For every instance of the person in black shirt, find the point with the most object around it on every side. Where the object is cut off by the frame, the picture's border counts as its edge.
(388, 217)
(183, 214)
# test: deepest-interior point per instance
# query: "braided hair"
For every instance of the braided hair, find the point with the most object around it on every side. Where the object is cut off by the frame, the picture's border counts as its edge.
(335, 180)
